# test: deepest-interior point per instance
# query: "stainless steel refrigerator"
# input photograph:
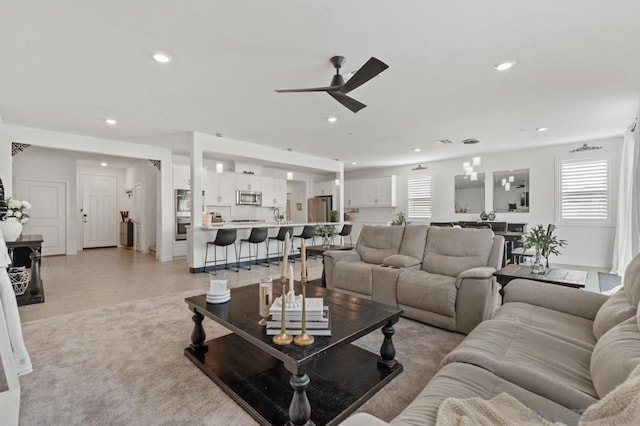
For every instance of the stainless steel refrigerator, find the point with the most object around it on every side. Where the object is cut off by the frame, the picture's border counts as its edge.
(318, 208)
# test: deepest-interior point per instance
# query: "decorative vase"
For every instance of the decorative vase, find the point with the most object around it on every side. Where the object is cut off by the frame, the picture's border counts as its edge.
(538, 267)
(326, 242)
(11, 228)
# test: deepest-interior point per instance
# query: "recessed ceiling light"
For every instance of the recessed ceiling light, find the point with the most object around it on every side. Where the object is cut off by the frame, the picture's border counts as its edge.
(542, 129)
(503, 66)
(161, 57)
(353, 163)
(104, 164)
(111, 121)
(332, 119)
(416, 149)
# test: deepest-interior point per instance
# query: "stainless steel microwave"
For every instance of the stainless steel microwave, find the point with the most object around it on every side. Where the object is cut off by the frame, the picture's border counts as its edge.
(248, 198)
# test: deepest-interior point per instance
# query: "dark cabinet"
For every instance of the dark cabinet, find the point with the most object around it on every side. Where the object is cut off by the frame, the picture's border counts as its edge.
(126, 234)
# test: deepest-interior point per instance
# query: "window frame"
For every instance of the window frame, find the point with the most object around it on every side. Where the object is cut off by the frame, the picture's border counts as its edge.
(609, 221)
(419, 175)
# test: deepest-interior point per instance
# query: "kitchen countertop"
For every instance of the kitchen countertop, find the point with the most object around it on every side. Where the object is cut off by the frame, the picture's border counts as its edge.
(247, 225)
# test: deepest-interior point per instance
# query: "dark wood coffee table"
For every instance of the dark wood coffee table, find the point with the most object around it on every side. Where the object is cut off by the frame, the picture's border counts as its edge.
(318, 384)
(565, 277)
(319, 251)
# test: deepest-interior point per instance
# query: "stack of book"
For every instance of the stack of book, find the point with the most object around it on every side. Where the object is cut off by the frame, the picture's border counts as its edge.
(318, 322)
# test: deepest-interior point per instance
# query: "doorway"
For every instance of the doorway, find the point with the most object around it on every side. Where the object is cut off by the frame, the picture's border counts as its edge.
(48, 214)
(99, 216)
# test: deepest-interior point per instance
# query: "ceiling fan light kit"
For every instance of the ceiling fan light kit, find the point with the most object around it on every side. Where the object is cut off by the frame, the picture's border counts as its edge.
(338, 89)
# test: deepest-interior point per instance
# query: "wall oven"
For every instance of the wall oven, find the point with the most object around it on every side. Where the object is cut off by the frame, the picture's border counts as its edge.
(183, 213)
(248, 198)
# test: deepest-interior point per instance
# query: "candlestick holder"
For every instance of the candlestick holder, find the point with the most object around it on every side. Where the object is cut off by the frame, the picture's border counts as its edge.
(283, 338)
(304, 339)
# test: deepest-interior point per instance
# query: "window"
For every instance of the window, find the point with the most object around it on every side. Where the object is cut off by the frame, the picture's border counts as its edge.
(419, 195)
(584, 190)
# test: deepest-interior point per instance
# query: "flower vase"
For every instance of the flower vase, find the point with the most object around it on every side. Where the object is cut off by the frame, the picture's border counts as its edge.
(11, 228)
(539, 266)
(326, 242)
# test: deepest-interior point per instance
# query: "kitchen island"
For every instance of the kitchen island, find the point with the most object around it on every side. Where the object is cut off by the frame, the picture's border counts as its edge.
(203, 234)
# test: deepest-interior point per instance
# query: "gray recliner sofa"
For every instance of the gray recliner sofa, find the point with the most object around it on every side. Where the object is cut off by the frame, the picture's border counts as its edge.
(558, 350)
(440, 276)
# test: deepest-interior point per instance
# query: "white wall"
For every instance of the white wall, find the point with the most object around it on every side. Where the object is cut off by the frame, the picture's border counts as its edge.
(5, 160)
(587, 245)
(41, 164)
(298, 194)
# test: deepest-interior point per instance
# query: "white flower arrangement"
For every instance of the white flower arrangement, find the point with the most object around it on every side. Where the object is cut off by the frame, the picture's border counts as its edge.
(18, 209)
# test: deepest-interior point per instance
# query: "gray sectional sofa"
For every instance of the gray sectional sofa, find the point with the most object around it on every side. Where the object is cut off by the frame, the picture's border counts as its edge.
(557, 350)
(440, 276)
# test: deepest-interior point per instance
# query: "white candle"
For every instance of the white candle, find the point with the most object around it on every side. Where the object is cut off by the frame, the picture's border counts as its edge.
(291, 278)
(285, 255)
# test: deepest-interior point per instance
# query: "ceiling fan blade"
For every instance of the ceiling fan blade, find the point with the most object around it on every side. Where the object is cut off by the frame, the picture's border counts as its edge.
(345, 100)
(372, 68)
(311, 89)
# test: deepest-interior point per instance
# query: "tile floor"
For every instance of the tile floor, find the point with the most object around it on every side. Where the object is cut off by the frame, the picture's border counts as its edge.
(107, 276)
(102, 277)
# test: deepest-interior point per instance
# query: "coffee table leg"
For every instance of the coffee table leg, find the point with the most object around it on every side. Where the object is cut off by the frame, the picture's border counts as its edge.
(387, 350)
(197, 335)
(300, 409)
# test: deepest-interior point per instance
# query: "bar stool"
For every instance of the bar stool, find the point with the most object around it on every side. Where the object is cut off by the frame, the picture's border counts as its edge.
(308, 233)
(346, 232)
(257, 236)
(224, 238)
(282, 234)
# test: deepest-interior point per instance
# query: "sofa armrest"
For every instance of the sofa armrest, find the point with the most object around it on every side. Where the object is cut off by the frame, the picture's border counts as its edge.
(342, 255)
(580, 303)
(363, 419)
(477, 273)
(400, 261)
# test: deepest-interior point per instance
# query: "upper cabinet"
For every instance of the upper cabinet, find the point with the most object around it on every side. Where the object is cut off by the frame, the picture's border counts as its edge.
(220, 188)
(325, 187)
(376, 192)
(181, 177)
(248, 182)
(274, 192)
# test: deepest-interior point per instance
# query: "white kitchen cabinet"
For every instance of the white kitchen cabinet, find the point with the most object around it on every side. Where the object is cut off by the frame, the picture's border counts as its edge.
(181, 177)
(325, 187)
(375, 192)
(274, 192)
(248, 182)
(220, 188)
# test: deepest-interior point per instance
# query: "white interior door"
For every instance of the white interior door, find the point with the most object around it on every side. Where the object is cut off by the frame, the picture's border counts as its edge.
(48, 214)
(138, 206)
(99, 215)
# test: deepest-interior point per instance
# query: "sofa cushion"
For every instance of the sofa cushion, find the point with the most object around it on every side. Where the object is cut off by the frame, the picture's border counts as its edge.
(614, 311)
(543, 364)
(414, 240)
(631, 281)
(430, 292)
(400, 261)
(460, 380)
(450, 251)
(567, 327)
(615, 355)
(353, 276)
(377, 242)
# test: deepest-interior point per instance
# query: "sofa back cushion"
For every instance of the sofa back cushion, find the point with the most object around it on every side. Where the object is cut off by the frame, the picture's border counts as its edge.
(414, 240)
(623, 304)
(377, 242)
(450, 251)
(615, 355)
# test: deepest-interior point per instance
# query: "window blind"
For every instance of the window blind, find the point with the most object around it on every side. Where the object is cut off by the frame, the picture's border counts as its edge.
(419, 196)
(584, 189)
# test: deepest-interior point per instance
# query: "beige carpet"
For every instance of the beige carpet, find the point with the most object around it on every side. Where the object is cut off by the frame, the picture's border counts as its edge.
(123, 365)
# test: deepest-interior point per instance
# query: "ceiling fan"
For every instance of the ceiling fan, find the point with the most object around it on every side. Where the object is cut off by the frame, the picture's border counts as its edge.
(338, 88)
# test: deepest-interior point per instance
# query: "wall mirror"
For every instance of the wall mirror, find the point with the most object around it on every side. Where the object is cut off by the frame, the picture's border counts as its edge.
(511, 191)
(469, 196)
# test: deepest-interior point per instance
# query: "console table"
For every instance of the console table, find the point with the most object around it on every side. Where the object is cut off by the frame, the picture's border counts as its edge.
(35, 292)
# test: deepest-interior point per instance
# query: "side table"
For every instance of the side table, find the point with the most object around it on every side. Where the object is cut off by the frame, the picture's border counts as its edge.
(35, 294)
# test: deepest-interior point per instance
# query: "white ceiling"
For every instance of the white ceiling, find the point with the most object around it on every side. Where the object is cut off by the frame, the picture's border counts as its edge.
(67, 65)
